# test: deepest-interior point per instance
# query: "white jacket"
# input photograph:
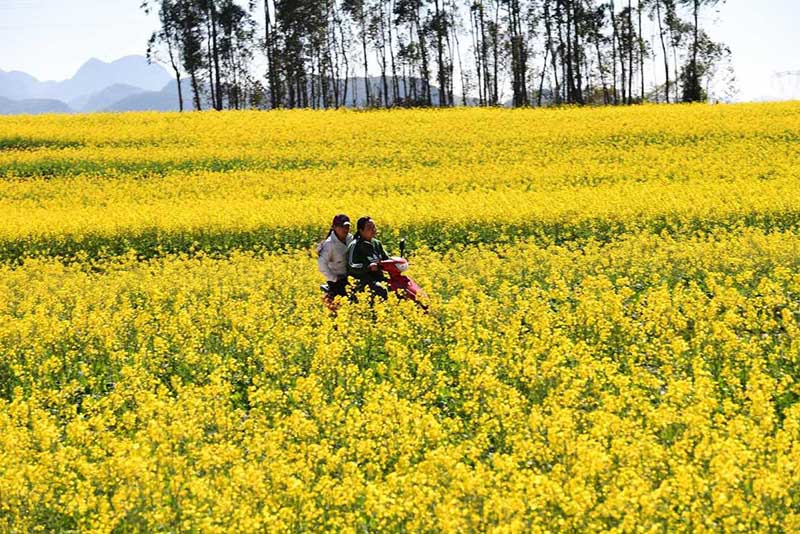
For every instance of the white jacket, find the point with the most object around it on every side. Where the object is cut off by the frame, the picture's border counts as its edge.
(332, 261)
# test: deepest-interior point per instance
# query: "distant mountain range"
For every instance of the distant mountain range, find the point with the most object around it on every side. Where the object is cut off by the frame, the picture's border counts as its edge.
(96, 86)
(32, 106)
(131, 84)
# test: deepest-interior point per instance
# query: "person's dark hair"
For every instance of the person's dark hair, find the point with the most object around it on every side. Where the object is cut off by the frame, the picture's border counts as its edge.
(362, 223)
(327, 235)
(319, 245)
(338, 220)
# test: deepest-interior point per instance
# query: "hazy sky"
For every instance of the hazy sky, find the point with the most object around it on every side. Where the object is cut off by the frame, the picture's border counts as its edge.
(50, 39)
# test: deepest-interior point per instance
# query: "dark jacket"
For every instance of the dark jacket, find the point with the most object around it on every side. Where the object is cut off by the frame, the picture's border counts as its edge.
(360, 253)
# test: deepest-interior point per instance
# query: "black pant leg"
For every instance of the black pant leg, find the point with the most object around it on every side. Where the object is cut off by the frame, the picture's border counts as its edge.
(338, 288)
(378, 290)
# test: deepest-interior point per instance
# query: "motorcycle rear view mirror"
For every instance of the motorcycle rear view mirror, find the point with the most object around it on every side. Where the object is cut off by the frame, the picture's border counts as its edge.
(402, 247)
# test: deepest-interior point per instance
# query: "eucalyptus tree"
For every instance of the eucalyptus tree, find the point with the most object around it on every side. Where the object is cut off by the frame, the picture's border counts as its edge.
(168, 36)
(693, 90)
(658, 8)
(271, 47)
(235, 44)
(519, 51)
(411, 15)
(357, 10)
(182, 22)
(210, 14)
(439, 29)
(587, 51)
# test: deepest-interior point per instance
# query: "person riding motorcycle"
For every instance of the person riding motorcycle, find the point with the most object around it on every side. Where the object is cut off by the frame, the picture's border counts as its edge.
(331, 256)
(363, 256)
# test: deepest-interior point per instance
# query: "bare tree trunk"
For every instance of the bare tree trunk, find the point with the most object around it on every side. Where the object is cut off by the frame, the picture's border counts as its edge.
(414, 93)
(381, 53)
(195, 90)
(440, 55)
(566, 66)
(519, 66)
(548, 27)
(641, 49)
(333, 54)
(460, 65)
(586, 66)
(395, 82)
(233, 102)
(177, 70)
(601, 69)
(313, 84)
(695, 79)
(576, 48)
(473, 30)
(496, 54)
(623, 75)
(675, 85)
(630, 53)
(218, 91)
(450, 55)
(487, 79)
(541, 80)
(344, 59)
(663, 49)
(614, 55)
(364, 50)
(570, 71)
(484, 55)
(423, 49)
(274, 90)
(211, 85)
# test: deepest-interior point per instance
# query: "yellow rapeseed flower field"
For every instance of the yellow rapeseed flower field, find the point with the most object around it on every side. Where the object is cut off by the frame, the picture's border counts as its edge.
(613, 341)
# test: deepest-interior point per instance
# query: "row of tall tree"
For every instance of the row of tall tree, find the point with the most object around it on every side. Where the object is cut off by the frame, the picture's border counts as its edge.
(332, 53)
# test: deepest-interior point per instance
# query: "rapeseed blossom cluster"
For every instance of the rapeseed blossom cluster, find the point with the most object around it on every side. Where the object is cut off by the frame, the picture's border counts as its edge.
(611, 343)
(155, 182)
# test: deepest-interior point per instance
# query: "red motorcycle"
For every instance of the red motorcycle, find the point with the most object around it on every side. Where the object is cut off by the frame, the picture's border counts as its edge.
(403, 286)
